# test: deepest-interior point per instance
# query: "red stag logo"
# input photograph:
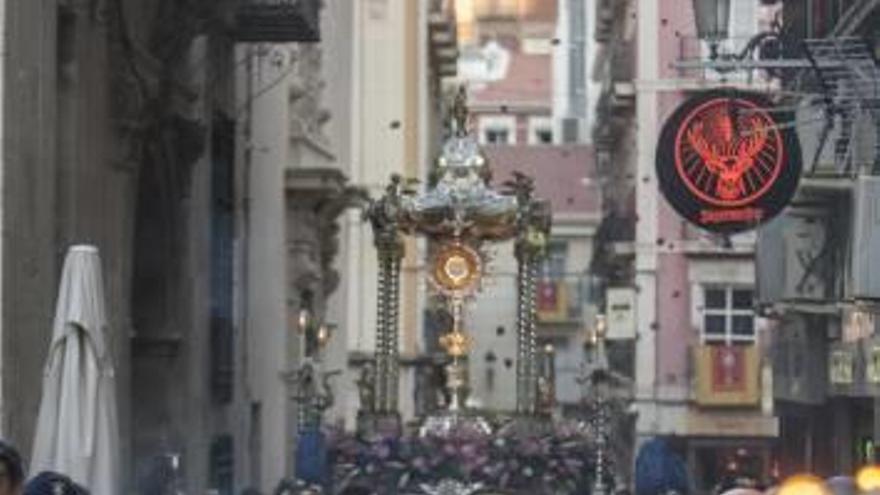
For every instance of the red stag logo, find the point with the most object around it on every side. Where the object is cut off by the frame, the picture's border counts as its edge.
(728, 152)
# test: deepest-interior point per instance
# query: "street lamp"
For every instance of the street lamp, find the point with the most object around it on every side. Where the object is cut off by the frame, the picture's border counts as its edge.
(601, 327)
(712, 19)
(315, 331)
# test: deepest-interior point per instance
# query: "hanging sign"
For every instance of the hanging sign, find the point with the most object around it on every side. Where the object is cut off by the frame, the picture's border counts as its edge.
(728, 161)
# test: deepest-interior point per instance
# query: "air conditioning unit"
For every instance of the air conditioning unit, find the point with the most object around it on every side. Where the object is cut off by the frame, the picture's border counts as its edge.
(806, 260)
(571, 130)
(865, 252)
(791, 259)
(769, 262)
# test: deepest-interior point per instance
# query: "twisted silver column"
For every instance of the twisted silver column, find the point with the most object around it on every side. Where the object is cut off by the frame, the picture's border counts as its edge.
(531, 338)
(599, 487)
(522, 403)
(380, 358)
(392, 325)
(387, 326)
(526, 341)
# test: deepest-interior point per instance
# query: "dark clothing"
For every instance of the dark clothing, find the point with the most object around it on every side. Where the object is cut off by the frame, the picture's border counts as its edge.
(660, 470)
(49, 483)
(11, 459)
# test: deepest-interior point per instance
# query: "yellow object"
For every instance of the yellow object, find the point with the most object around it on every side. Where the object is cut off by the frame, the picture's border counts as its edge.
(456, 269)
(803, 484)
(558, 312)
(727, 375)
(456, 343)
(868, 478)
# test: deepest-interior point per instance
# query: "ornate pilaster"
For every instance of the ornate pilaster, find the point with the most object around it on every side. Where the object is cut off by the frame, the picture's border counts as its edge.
(316, 197)
(308, 116)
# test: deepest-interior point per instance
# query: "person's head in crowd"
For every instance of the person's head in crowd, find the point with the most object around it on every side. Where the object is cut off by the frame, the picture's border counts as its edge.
(357, 490)
(11, 470)
(51, 483)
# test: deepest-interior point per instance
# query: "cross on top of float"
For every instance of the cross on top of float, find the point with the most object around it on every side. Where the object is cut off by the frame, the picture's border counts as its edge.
(460, 201)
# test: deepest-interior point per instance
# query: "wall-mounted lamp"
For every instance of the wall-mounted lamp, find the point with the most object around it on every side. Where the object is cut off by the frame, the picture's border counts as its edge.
(713, 20)
(317, 333)
(601, 326)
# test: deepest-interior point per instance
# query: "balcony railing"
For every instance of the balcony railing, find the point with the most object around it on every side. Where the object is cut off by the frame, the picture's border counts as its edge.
(566, 299)
(605, 15)
(443, 37)
(278, 21)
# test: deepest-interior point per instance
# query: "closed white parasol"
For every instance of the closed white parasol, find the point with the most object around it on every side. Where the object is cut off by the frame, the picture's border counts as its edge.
(77, 432)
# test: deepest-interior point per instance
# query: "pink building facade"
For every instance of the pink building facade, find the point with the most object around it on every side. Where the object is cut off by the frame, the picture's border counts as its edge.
(700, 374)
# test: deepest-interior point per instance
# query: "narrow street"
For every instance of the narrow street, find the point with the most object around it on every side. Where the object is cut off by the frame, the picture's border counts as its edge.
(440, 247)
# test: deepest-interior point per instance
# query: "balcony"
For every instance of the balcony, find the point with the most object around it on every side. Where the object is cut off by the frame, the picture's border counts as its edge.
(727, 376)
(277, 21)
(799, 347)
(497, 10)
(623, 61)
(605, 16)
(565, 301)
(853, 368)
(443, 41)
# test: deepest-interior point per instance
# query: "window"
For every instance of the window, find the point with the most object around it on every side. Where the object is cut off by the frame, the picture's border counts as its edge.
(497, 129)
(728, 315)
(497, 136)
(222, 263)
(555, 261)
(221, 465)
(540, 130)
(544, 136)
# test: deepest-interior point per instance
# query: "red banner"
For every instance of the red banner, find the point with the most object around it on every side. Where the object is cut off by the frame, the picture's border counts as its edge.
(548, 296)
(728, 369)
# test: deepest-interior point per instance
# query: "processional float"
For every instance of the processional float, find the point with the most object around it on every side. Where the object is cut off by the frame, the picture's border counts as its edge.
(459, 214)
(460, 450)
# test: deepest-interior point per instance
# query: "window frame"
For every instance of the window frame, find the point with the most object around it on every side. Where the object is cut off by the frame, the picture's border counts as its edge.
(537, 125)
(499, 131)
(496, 123)
(729, 312)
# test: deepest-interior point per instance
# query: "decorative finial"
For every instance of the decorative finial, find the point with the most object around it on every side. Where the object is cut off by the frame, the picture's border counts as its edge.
(460, 112)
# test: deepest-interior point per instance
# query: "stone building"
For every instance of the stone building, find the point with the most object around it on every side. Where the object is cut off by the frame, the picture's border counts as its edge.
(388, 100)
(119, 130)
(816, 263)
(296, 189)
(679, 301)
(528, 105)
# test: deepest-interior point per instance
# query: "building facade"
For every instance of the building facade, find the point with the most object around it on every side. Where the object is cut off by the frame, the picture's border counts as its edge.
(511, 67)
(388, 100)
(120, 130)
(679, 302)
(814, 266)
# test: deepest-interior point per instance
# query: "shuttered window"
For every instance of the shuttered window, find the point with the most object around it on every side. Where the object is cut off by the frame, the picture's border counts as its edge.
(222, 259)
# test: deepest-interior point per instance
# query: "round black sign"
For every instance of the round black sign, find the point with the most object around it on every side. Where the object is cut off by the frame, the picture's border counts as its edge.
(726, 163)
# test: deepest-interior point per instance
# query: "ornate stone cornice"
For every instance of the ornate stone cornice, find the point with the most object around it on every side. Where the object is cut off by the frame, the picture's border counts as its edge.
(316, 197)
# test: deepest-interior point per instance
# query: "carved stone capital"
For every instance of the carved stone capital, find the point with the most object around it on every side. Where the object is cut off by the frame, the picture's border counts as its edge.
(315, 199)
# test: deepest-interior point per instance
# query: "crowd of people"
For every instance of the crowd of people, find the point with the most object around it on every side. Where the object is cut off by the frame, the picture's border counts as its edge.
(13, 482)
